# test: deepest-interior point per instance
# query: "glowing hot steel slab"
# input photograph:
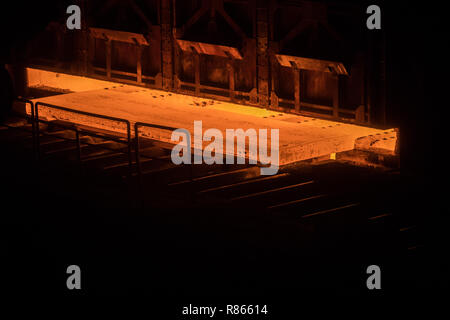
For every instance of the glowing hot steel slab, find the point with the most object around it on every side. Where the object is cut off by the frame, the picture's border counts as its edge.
(300, 138)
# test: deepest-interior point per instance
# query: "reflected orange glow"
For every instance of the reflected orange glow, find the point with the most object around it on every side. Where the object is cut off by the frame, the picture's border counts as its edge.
(301, 137)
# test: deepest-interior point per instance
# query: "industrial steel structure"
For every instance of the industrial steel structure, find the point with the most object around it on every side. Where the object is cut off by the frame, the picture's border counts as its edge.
(313, 58)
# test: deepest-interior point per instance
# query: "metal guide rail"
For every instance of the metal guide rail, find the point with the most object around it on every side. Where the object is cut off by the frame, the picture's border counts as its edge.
(138, 125)
(133, 144)
(78, 130)
(29, 118)
(132, 139)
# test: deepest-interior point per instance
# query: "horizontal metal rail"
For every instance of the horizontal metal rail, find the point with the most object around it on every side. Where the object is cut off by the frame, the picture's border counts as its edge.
(79, 131)
(137, 126)
(85, 132)
(230, 95)
(353, 114)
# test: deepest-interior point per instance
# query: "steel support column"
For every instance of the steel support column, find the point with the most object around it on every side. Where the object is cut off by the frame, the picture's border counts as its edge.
(262, 56)
(167, 44)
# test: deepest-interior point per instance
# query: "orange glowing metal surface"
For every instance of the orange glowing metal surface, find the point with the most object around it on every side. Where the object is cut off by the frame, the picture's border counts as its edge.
(301, 138)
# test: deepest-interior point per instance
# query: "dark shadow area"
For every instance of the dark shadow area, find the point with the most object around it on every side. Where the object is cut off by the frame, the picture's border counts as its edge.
(56, 215)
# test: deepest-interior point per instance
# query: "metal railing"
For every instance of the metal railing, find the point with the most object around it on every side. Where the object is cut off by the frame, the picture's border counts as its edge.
(30, 120)
(131, 143)
(79, 130)
(137, 148)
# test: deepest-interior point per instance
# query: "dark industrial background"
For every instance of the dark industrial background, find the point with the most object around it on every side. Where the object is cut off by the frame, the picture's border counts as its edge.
(397, 74)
